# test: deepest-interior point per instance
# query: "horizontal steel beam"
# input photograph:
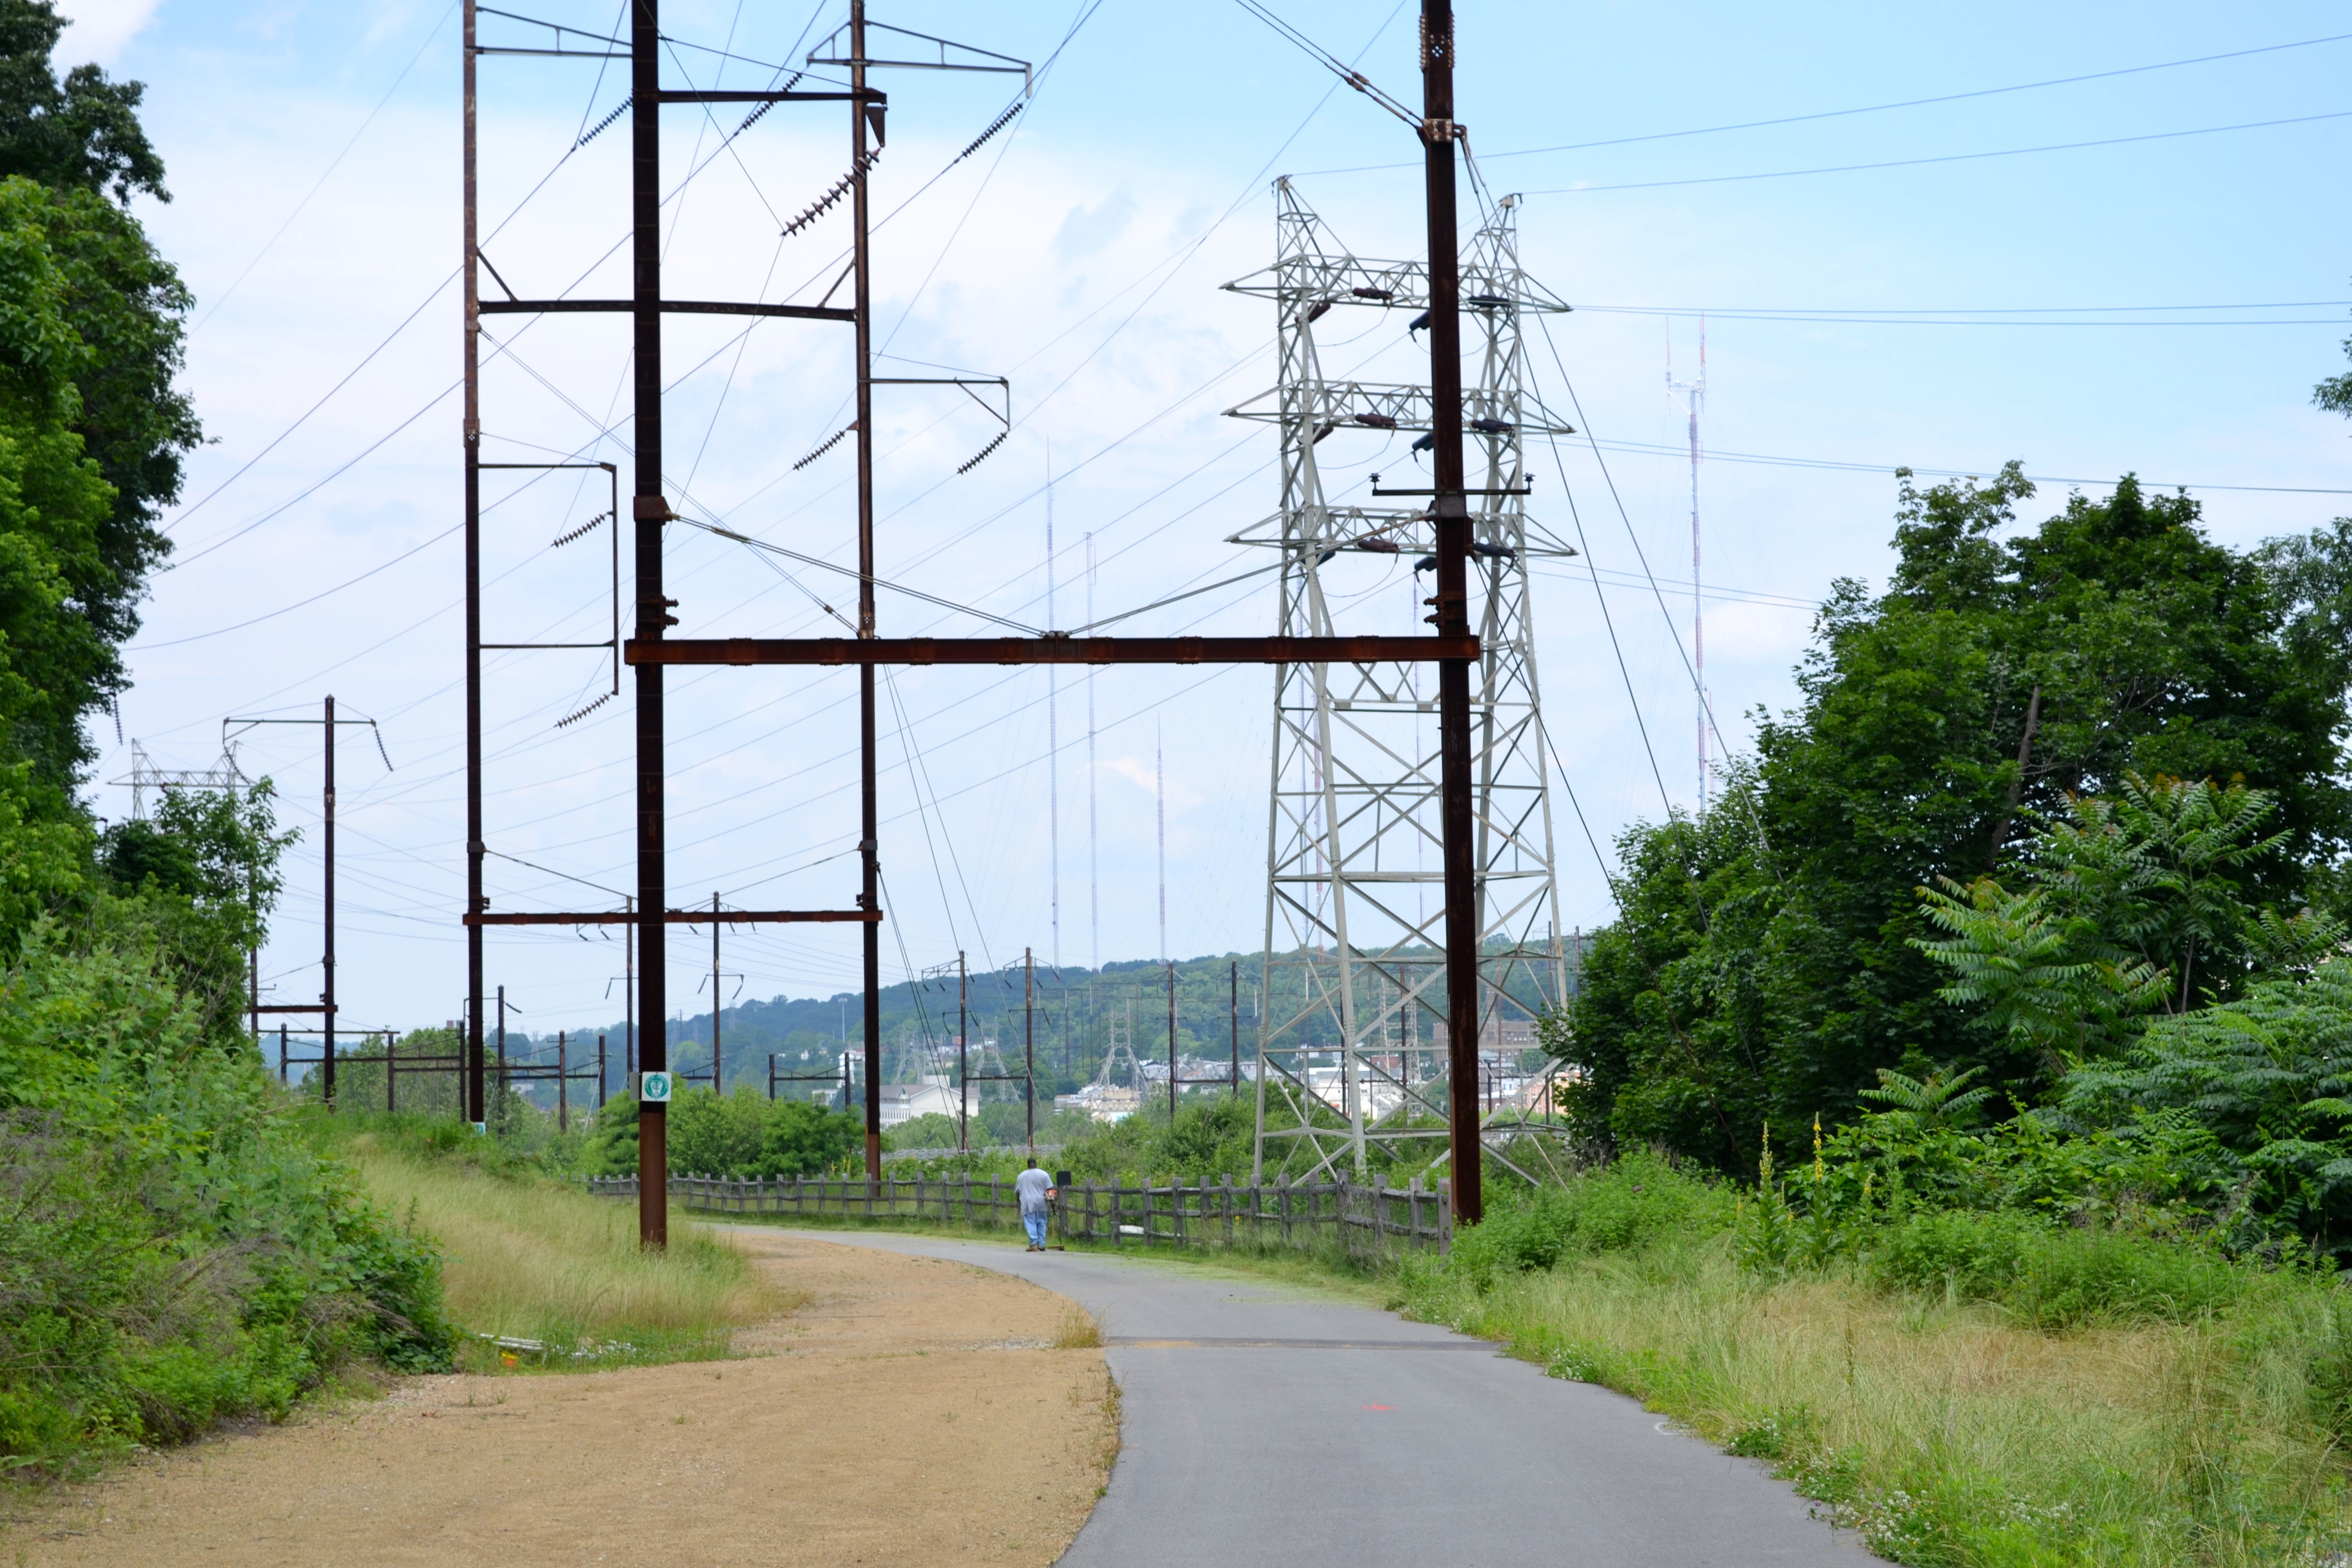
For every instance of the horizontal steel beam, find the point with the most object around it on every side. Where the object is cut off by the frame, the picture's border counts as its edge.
(670, 916)
(831, 651)
(288, 1007)
(761, 95)
(669, 307)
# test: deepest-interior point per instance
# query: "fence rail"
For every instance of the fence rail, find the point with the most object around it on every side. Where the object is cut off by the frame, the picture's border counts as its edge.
(1363, 1219)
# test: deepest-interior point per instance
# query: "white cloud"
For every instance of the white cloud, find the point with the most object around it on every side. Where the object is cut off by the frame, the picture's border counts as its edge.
(102, 27)
(1138, 771)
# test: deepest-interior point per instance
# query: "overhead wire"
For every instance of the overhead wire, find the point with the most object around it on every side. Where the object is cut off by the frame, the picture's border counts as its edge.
(1872, 107)
(1943, 158)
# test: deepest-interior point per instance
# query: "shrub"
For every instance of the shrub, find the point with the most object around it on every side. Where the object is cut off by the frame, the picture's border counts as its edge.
(1639, 1203)
(2055, 1276)
(171, 1251)
(743, 1135)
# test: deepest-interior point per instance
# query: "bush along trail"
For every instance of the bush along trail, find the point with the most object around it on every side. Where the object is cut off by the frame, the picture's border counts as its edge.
(171, 1251)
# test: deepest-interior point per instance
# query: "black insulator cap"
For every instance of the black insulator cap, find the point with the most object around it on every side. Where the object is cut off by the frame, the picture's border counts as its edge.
(1426, 442)
(1426, 563)
(1418, 323)
(1491, 427)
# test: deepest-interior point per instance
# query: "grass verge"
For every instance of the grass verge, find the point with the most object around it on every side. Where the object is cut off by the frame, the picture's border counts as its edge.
(534, 1259)
(1951, 1432)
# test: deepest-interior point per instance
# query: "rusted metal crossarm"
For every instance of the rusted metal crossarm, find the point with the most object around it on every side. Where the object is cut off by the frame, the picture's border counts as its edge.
(758, 95)
(669, 307)
(670, 916)
(917, 651)
(288, 1007)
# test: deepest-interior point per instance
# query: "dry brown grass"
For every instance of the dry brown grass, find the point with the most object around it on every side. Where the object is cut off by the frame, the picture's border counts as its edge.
(1080, 1330)
(536, 1259)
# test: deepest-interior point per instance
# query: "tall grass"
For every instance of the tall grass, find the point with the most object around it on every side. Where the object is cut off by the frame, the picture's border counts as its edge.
(534, 1259)
(1950, 1432)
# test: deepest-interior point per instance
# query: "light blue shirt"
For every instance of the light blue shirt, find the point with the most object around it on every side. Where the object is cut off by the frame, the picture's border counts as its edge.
(1031, 1186)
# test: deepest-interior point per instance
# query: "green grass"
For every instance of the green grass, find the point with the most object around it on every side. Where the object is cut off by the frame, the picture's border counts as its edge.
(2117, 1402)
(532, 1258)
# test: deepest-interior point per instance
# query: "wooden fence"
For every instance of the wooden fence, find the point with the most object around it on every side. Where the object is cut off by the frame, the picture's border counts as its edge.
(1362, 1219)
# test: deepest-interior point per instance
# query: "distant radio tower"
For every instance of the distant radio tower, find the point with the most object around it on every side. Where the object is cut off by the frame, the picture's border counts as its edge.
(1693, 395)
(1159, 798)
(1053, 727)
(1093, 862)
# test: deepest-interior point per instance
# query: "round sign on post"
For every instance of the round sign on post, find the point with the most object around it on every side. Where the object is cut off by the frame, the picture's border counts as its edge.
(652, 1087)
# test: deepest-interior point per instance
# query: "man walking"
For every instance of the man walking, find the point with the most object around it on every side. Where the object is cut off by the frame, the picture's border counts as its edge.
(1036, 1191)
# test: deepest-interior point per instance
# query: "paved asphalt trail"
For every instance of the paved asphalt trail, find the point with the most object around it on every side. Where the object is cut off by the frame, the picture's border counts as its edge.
(1263, 1425)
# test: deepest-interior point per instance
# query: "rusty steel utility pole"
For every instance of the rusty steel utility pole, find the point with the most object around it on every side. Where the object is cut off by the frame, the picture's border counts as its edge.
(1171, 1035)
(869, 822)
(326, 962)
(963, 1057)
(1449, 513)
(470, 1082)
(649, 510)
(718, 1077)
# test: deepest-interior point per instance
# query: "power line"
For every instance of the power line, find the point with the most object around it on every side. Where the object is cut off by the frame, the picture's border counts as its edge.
(1944, 158)
(1867, 109)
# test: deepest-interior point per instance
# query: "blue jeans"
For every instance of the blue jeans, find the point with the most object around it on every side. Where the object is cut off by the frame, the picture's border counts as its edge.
(1036, 1224)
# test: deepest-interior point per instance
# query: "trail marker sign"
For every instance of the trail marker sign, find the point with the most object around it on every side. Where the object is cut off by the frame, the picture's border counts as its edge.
(652, 1087)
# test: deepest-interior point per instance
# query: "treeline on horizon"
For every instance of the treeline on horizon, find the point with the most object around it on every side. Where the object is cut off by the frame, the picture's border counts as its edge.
(1074, 1008)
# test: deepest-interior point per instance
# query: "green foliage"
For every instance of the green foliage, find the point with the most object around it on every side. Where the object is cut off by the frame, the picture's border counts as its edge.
(204, 869)
(171, 1251)
(128, 307)
(2053, 1277)
(2131, 903)
(740, 1135)
(1770, 960)
(81, 133)
(2269, 1077)
(1635, 1206)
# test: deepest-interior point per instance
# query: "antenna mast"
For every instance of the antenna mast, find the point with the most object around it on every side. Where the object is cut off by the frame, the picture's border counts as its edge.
(1694, 397)
(1053, 730)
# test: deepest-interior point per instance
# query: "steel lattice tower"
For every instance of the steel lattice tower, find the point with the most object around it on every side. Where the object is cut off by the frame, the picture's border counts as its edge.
(1355, 879)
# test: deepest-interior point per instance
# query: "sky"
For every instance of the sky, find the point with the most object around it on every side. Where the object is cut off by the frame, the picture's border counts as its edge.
(2130, 264)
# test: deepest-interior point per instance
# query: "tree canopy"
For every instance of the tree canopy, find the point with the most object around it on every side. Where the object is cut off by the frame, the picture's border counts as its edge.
(1772, 959)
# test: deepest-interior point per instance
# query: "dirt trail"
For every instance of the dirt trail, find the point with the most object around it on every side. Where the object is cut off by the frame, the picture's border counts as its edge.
(913, 1412)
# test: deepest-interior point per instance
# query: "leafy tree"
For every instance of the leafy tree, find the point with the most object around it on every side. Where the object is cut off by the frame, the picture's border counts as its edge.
(1768, 961)
(207, 867)
(2131, 905)
(1939, 1102)
(2269, 1076)
(78, 136)
(739, 1135)
(79, 133)
(2334, 393)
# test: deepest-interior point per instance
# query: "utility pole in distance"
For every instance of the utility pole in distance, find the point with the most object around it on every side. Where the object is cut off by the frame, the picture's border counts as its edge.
(327, 723)
(1449, 513)
(963, 1057)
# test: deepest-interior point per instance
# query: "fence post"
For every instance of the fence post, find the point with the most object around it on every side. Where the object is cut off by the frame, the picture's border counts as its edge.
(1118, 1229)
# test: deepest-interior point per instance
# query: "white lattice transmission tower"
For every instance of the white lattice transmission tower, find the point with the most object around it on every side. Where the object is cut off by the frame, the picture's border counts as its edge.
(1355, 877)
